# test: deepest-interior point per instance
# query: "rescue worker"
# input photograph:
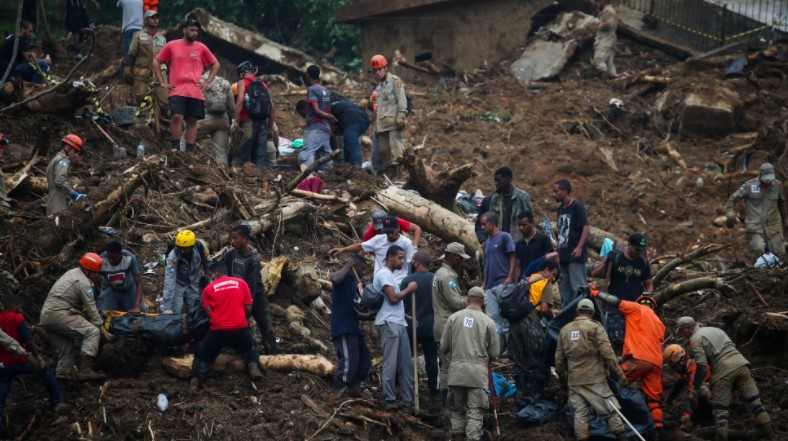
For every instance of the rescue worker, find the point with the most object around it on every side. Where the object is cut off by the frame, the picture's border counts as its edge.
(138, 62)
(4, 199)
(526, 337)
(59, 176)
(713, 349)
(765, 212)
(228, 303)
(470, 340)
(582, 354)
(219, 110)
(389, 106)
(182, 274)
(685, 368)
(508, 201)
(12, 363)
(69, 316)
(121, 280)
(605, 39)
(447, 299)
(642, 350)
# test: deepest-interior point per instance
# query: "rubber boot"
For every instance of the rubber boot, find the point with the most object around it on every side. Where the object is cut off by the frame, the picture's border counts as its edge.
(86, 372)
(766, 424)
(722, 432)
(622, 437)
(254, 371)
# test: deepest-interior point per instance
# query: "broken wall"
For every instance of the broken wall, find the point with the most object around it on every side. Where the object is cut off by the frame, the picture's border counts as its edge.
(460, 35)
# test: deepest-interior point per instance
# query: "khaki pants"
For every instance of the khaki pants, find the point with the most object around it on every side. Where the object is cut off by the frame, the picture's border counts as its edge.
(386, 150)
(3, 192)
(594, 396)
(218, 128)
(604, 52)
(69, 334)
(468, 404)
(722, 389)
(773, 237)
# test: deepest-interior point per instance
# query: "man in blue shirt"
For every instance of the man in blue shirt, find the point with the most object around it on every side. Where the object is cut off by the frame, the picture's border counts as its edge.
(353, 357)
(500, 268)
(317, 136)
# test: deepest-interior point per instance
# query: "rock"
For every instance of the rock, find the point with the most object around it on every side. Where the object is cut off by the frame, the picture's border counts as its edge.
(710, 113)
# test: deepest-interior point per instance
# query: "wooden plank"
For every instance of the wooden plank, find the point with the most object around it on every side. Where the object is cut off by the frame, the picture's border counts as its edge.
(366, 9)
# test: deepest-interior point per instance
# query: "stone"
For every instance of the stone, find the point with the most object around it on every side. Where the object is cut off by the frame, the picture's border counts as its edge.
(710, 113)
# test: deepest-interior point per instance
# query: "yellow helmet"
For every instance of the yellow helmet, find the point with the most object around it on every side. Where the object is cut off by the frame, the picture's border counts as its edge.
(672, 354)
(185, 238)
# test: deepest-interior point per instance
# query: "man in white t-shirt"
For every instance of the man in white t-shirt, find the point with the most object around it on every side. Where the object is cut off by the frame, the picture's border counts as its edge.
(379, 245)
(392, 330)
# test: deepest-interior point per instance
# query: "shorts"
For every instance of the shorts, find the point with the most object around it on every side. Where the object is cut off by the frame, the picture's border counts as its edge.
(76, 19)
(188, 107)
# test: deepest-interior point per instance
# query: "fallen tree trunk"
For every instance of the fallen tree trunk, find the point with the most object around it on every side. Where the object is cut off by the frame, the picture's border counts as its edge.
(664, 295)
(270, 220)
(699, 252)
(314, 364)
(431, 217)
(298, 280)
(440, 186)
(309, 169)
(22, 175)
(101, 209)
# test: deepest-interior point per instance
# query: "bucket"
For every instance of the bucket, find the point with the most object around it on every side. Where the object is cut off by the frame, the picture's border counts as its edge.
(124, 115)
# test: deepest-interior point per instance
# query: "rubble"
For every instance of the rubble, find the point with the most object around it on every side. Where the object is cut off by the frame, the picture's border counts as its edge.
(710, 113)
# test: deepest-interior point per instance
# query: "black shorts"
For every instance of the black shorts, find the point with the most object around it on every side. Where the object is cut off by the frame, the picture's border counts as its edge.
(188, 107)
(76, 19)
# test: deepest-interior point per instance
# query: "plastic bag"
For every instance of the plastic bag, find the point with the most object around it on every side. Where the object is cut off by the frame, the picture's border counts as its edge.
(503, 388)
(539, 413)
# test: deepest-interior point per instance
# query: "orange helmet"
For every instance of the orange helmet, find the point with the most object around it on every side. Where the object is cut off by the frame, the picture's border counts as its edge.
(647, 300)
(672, 354)
(73, 141)
(377, 62)
(91, 262)
(234, 88)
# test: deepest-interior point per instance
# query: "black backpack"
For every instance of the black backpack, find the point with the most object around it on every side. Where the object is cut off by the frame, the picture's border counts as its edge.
(259, 106)
(515, 303)
(368, 303)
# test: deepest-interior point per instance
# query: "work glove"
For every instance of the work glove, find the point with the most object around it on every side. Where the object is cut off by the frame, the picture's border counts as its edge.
(622, 381)
(704, 393)
(77, 196)
(730, 219)
(686, 420)
(693, 398)
(234, 127)
(109, 337)
(127, 74)
(400, 122)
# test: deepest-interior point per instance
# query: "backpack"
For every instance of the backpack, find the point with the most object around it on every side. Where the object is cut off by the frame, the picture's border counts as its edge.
(216, 96)
(368, 303)
(259, 105)
(515, 301)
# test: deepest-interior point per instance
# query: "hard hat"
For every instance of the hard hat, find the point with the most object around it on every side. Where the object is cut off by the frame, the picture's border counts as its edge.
(73, 141)
(234, 88)
(91, 262)
(3, 140)
(185, 238)
(245, 66)
(647, 300)
(672, 354)
(377, 62)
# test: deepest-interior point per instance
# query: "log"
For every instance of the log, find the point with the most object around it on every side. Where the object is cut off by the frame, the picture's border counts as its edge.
(664, 295)
(318, 196)
(309, 169)
(285, 279)
(674, 154)
(15, 180)
(270, 220)
(431, 217)
(440, 186)
(225, 363)
(101, 209)
(654, 79)
(698, 252)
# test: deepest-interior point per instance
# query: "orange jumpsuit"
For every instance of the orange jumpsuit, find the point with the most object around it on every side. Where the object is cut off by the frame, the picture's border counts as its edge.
(643, 353)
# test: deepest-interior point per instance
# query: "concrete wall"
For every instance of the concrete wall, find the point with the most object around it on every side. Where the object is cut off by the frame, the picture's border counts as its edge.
(461, 35)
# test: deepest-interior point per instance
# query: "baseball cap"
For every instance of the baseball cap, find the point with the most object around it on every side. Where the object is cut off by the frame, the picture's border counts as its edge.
(192, 22)
(767, 172)
(389, 224)
(378, 216)
(476, 292)
(585, 305)
(151, 13)
(456, 248)
(638, 241)
(685, 323)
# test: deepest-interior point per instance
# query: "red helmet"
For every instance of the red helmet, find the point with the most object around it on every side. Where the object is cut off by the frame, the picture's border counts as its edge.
(647, 300)
(91, 262)
(73, 141)
(377, 62)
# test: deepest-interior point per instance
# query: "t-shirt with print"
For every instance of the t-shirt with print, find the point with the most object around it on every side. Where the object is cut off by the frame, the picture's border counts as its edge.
(496, 258)
(571, 221)
(389, 312)
(226, 298)
(186, 63)
(380, 244)
(404, 226)
(343, 314)
(119, 277)
(627, 276)
(316, 93)
(245, 267)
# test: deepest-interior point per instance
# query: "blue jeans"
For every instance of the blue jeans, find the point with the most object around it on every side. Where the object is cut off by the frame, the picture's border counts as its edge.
(28, 73)
(127, 35)
(352, 147)
(9, 371)
(573, 277)
(492, 298)
(317, 144)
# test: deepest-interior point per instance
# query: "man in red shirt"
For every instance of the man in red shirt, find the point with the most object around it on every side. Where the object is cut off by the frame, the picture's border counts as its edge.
(186, 59)
(228, 303)
(377, 225)
(13, 323)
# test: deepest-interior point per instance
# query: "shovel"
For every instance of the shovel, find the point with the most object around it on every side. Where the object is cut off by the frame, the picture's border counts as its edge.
(118, 150)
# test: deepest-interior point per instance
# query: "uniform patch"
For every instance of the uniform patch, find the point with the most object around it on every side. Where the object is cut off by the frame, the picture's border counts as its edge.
(468, 322)
(574, 335)
(63, 162)
(90, 293)
(453, 284)
(755, 188)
